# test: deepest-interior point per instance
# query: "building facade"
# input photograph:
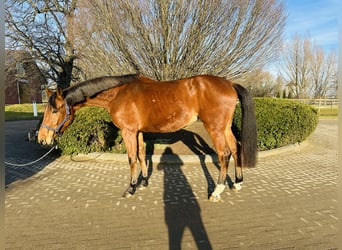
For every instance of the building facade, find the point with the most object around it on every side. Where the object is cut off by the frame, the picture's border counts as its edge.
(24, 81)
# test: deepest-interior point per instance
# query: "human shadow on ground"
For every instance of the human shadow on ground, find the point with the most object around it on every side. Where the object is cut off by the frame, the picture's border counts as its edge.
(19, 151)
(180, 204)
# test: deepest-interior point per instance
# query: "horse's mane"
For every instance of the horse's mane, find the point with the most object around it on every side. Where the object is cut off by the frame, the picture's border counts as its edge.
(78, 92)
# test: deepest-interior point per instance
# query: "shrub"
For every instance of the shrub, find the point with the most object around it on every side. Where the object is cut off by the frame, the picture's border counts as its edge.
(91, 131)
(280, 122)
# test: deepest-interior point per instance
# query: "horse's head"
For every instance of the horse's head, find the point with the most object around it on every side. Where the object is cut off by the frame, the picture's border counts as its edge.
(58, 115)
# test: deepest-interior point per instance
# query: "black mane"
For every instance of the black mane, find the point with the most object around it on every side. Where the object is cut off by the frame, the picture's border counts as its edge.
(89, 88)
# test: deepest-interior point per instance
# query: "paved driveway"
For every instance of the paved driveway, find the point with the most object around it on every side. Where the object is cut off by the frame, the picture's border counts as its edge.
(288, 201)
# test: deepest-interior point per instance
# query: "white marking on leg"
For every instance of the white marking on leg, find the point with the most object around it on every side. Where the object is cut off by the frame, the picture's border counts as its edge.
(218, 190)
(216, 195)
(237, 186)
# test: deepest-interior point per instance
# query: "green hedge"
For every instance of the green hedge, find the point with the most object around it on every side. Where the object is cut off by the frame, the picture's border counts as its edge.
(91, 131)
(279, 122)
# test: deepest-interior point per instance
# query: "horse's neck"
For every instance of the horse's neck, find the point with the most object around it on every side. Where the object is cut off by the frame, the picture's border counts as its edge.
(101, 100)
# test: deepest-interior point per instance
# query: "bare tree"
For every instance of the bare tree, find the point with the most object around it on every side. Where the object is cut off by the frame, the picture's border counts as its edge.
(260, 83)
(307, 71)
(334, 89)
(297, 67)
(174, 39)
(323, 72)
(44, 28)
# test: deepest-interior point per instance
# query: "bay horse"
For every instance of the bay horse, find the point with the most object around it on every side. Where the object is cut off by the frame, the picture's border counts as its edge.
(138, 104)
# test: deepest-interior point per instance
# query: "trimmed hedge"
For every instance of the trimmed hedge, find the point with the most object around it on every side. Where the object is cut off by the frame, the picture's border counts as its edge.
(91, 131)
(279, 122)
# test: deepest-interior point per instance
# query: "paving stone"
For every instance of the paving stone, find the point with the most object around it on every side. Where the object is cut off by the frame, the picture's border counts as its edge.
(288, 201)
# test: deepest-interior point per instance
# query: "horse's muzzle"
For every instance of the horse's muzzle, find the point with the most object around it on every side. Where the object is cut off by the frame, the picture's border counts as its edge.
(43, 142)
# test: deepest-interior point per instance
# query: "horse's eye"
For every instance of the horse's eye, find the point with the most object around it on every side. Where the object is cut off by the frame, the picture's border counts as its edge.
(54, 111)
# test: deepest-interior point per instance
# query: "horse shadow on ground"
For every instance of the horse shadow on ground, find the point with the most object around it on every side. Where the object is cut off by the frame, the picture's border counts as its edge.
(180, 204)
(194, 142)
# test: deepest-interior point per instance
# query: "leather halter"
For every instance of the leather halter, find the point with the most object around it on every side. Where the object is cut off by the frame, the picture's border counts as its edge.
(61, 124)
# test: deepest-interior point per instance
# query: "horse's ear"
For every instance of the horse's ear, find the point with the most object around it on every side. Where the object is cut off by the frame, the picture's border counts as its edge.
(48, 92)
(59, 92)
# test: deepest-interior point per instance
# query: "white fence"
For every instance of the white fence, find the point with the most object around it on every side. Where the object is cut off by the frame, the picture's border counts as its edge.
(319, 103)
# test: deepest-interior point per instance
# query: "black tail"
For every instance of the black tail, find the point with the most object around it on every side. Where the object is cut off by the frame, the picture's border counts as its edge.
(248, 128)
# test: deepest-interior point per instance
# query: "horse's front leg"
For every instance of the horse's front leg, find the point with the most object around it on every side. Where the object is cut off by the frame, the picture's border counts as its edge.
(130, 139)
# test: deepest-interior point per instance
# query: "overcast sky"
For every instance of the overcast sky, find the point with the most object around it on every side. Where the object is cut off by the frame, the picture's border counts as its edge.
(317, 19)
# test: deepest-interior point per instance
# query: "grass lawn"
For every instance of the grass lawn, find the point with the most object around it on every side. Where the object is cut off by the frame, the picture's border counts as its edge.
(328, 111)
(22, 111)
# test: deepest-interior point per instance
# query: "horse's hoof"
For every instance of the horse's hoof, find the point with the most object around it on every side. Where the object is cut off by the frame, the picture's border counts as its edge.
(130, 191)
(127, 195)
(237, 187)
(143, 184)
(214, 198)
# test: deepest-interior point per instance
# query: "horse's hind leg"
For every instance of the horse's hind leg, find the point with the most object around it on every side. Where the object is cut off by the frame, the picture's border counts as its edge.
(234, 147)
(141, 158)
(130, 139)
(223, 152)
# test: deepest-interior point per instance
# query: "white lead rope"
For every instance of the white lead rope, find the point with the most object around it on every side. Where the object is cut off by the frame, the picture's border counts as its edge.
(32, 162)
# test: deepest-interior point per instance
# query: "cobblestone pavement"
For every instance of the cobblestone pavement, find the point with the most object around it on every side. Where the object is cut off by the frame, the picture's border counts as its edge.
(288, 201)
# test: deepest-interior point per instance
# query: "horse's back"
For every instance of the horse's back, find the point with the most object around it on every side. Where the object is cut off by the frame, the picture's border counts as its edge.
(200, 83)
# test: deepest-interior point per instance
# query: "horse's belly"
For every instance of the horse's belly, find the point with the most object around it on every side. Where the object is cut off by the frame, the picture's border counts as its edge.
(170, 123)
